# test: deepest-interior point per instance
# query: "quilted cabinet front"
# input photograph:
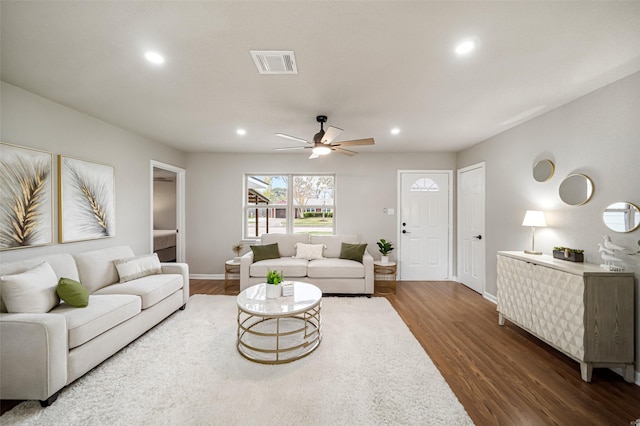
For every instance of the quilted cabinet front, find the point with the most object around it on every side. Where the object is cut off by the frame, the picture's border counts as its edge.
(557, 309)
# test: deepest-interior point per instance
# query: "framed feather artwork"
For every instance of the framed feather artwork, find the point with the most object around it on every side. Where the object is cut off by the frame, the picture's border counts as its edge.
(26, 207)
(87, 200)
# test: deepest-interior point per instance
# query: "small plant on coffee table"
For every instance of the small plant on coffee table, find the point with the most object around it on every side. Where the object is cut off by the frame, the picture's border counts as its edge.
(274, 277)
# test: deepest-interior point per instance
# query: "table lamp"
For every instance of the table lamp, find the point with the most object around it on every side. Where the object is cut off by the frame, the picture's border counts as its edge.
(533, 218)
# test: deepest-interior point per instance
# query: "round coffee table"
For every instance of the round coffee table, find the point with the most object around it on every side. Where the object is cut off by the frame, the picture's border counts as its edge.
(280, 330)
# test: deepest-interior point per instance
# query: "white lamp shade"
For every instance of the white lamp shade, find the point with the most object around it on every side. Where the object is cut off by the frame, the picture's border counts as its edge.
(534, 218)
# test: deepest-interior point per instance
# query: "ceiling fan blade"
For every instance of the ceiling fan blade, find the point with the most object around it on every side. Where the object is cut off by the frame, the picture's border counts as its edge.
(293, 138)
(287, 148)
(344, 151)
(313, 155)
(331, 134)
(368, 141)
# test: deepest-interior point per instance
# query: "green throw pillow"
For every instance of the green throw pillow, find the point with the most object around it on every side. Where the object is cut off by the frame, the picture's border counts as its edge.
(72, 293)
(267, 251)
(352, 251)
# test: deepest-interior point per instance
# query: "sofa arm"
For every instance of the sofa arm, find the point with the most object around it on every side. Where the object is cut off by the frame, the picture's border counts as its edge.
(245, 265)
(33, 355)
(182, 269)
(367, 261)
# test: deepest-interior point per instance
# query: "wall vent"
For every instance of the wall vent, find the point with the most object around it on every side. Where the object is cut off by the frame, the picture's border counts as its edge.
(275, 61)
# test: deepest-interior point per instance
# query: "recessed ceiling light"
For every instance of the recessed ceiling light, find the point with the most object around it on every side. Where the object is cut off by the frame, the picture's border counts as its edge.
(465, 47)
(241, 132)
(154, 58)
(395, 131)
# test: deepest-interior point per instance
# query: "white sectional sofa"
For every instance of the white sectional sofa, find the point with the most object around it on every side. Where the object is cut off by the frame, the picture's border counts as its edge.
(331, 274)
(40, 353)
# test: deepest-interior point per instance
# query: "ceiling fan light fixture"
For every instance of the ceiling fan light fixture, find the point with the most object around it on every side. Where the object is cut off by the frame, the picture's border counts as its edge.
(321, 150)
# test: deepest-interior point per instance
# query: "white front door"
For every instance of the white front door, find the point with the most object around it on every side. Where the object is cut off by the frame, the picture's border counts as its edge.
(424, 225)
(471, 238)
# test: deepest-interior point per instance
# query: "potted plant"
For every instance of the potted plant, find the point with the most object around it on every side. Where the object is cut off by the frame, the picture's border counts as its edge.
(274, 278)
(565, 253)
(385, 247)
(237, 249)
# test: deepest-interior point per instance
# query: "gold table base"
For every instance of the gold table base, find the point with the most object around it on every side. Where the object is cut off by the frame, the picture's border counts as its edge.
(280, 339)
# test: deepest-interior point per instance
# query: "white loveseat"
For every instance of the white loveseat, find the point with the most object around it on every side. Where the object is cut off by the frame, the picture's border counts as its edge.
(40, 353)
(331, 274)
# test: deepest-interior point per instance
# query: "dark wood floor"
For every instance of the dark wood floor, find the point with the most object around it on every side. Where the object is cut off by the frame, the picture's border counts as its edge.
(502, 375)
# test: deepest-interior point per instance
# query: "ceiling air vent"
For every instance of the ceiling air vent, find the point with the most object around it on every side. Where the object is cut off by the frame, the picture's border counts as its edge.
(275, 61)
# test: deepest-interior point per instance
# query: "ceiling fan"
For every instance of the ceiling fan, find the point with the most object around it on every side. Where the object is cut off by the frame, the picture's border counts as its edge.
(323, 141)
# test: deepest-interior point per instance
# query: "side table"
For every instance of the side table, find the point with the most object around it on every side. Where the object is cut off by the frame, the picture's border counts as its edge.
(384, 275)
(231, 276)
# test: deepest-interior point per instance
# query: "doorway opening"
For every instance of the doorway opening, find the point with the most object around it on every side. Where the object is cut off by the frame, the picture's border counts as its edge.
(167, 212)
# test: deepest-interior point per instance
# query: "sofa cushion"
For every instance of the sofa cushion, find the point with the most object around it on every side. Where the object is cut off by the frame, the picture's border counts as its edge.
(353, 251)
(96, 268)
(309, 251)
(265, 251)
(32, 291)
(72, 293)
(62, 264)
(289, 266)
(152, 288)
(335, 268)
(286, 242)
(131, 268)
(102, 314)
(333, 243)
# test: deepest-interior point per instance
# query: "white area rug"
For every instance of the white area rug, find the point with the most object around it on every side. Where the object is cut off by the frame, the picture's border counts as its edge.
(368, 370)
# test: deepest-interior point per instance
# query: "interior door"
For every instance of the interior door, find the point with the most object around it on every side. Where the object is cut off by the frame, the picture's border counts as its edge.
(471, 237)
(424, 225)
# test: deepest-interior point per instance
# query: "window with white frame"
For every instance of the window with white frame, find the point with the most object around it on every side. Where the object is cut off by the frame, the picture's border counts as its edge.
(288, 204)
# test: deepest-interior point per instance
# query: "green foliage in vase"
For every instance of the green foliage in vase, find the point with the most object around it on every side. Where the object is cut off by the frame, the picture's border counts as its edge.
(274, 277)
(570, 250)
(385, 247)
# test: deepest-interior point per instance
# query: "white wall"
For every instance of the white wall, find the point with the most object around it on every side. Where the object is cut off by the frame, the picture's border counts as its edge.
(35, 122)
(365, 184)
(597, 135)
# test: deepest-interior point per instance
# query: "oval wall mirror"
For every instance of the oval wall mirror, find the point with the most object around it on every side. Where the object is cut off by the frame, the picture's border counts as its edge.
(543, 170)
(576, 189)
(621, 216)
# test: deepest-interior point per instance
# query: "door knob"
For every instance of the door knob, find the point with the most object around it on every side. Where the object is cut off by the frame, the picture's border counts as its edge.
(404, 223)
(404, 231)
(478, 237)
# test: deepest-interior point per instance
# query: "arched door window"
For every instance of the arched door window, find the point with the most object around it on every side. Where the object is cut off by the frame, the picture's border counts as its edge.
(424, 185)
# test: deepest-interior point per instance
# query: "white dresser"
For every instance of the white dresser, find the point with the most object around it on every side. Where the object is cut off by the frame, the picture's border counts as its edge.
(578, 308)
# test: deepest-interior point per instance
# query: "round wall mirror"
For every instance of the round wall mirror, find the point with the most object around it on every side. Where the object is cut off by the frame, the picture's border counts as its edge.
(621, 216)
(543, 170)
(576, 189)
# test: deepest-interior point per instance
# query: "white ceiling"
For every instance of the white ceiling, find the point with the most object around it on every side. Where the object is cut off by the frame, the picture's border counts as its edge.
(369, 66)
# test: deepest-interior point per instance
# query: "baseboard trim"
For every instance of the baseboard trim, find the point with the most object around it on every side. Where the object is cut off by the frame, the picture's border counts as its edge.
(206, 276)
(619, 372)
(490, 298)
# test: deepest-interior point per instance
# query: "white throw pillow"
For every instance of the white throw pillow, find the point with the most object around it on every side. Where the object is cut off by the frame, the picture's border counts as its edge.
(32, 291)
(309, 251)
(131, 268)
